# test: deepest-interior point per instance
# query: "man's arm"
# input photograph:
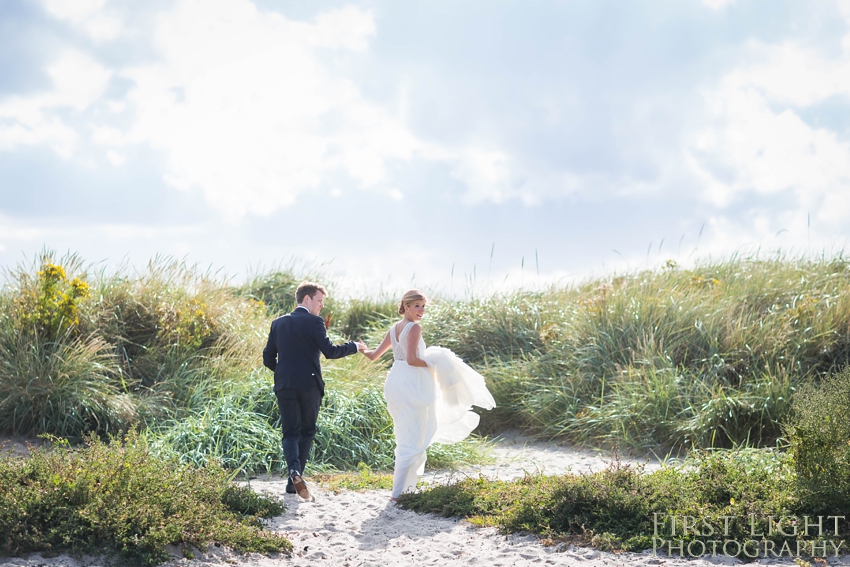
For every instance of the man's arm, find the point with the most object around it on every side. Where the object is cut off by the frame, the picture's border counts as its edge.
(329, 349)
(270, 353)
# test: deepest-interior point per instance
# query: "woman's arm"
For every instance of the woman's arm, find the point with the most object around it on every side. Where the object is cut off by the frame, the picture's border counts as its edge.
(382, 348)
(412, 346)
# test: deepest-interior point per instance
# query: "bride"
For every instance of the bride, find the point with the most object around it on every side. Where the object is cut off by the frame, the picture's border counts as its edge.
(429, 391)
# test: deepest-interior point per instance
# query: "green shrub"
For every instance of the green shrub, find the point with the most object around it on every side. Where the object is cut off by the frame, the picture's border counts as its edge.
(225, 432)
(241, 430)
(707, 357)
(501, 327)
(614, 508)
(819, 436)
(116, 498)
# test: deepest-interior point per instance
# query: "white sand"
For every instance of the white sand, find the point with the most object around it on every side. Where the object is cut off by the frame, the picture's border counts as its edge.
(363, 528)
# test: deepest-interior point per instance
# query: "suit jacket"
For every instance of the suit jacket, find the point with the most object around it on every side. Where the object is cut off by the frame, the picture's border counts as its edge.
(292, 351)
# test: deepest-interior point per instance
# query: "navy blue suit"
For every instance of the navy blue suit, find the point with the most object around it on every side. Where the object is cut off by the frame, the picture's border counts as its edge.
(292, 352)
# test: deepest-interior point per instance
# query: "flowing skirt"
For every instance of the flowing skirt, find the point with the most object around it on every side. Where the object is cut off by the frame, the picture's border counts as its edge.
(411, 397)
(430, 405)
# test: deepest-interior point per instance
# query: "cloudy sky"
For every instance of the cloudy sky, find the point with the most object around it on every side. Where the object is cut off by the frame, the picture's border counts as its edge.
(452, 145)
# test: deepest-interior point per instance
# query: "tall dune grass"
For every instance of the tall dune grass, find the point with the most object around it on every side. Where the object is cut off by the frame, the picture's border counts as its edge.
(658, 359)
(241, 429)
(175, 351)
(672, 358)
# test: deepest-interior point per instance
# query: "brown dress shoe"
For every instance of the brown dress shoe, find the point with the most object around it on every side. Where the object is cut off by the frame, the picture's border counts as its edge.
(301, 488)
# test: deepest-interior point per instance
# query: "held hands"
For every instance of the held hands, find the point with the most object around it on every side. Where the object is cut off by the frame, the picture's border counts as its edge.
(361, 346)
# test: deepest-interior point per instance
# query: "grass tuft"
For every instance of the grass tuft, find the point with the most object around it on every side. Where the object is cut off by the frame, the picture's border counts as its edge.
(364, 478)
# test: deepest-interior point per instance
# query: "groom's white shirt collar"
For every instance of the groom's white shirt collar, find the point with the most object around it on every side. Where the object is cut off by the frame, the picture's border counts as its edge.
(302, 307)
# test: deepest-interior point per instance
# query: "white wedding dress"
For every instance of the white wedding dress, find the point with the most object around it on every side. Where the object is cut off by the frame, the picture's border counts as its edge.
(429, 405)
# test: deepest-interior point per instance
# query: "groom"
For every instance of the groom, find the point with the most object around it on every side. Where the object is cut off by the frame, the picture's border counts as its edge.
(292, 352)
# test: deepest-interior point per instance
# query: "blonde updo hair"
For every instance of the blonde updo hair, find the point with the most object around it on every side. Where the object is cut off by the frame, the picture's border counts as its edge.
(410, 297)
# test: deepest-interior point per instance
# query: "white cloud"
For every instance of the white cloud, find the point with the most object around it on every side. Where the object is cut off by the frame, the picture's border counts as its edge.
(115, 158)
(248, 111)
(22, 232)
(78, 81)
(492, 174)
(88, 15)
(252, 109)
(718, 4)
(76, 10)
(757, 143)
(486, 173)
(108, 136)
(793, 74)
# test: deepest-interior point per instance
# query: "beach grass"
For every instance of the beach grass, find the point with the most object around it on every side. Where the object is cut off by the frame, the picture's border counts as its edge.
(725, 495)
(671, 358)
(175, 351)
(661, 360)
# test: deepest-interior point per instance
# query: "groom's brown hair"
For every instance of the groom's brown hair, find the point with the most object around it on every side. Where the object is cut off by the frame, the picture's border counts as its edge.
(308, 289)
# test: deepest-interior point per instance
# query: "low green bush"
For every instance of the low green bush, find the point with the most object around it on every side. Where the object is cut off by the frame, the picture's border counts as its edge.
(116, 498)
(819, 435)
(615, 507)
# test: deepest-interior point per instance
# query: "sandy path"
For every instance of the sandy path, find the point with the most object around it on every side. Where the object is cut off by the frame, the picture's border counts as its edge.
(359, 529)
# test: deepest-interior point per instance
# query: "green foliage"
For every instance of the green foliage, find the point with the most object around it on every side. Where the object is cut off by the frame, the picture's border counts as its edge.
(116, 497)
(49, 304)
(614, 508)
(354, 427)
(363, 317)
(819, 436)
(225, 432)
(503, 327)
(244, 501)
(240, 429)
(65, 387)
(708, 357)
(275, 291)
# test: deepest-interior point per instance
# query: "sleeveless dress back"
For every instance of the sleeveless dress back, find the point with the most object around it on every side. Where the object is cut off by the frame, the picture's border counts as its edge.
(429, 405)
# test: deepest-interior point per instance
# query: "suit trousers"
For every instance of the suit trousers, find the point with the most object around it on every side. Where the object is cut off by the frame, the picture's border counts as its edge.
(299, 410)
